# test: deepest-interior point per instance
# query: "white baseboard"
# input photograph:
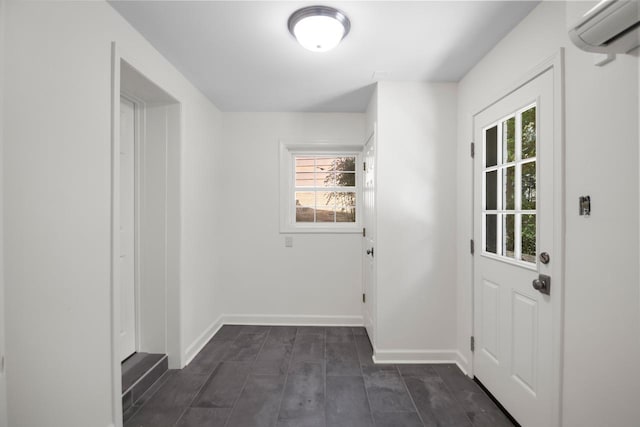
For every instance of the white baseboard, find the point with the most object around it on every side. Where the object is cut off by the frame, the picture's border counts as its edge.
(416, 356)
(463, 363)
(291, 320)
(202, 340)
(265, 319)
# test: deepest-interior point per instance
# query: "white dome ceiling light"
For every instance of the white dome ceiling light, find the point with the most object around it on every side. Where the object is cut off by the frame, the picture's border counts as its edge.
(319, 28)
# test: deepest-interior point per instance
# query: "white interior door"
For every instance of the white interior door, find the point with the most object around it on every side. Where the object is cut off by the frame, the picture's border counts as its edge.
(513, 226)
(127, 229)
(369, 265)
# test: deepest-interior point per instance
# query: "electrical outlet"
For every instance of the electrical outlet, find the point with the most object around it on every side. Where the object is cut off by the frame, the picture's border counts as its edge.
(288, 241)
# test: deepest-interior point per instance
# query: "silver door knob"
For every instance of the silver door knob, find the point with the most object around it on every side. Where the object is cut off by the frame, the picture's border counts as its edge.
(542, 284)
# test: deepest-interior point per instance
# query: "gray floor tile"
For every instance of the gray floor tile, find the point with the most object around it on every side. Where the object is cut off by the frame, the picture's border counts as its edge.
(311, 330)
(303, 397)
(148, 394)
(479, 408)
(386, 390)
(342, 359)
(227, 333)
(204, 417)
(412, 370)
(359, 331)
(339, 335)
(245, 348)
(303, 422)
(148, 380)
(223, 386)
(259, 402)
(136, 366)
(255, 329)
(304, 367)
(365, 351)
(346, 402)
(286, 334)
(177, 391)
(435, 403)
(154, 417)
(208, 358)
(308, 348)
(397, 419)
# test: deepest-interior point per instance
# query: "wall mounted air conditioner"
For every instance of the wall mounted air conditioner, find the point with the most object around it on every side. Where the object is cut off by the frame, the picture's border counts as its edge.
(611, 26)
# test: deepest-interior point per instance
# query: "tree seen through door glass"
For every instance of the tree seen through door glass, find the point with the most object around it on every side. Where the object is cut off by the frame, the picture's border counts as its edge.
(509, 140)
(509, 233)
(529, 186)
(491, 146)
(529, 133)
(529, 238)
(510, 186)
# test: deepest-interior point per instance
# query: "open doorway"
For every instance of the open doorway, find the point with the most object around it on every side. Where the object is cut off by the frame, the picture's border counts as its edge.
(145, 233)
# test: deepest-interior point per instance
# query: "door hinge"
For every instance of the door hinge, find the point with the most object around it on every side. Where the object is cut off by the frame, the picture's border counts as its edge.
(473, 150)
(364, 232)
(473, 344)
(472, 246)
(364, 166)
(364, 298)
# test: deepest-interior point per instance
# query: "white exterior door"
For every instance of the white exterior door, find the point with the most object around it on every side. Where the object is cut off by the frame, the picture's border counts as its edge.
(369, 264)
(513, 227)
(127, 229)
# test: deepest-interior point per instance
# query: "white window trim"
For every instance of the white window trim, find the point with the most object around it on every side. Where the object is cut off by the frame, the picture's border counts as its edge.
(288, 150)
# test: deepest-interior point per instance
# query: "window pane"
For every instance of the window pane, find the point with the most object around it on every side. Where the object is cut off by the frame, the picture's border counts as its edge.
(491, 231)
(509, 140)
(491, 146)
(509, 183)
(325, 214)
(491, 190)
(529, 238)
(508, 237)
(345, 206)
(325, 164)
(529, 133)
(304, 179)
(346, 179)
(529, 186)
(304, 164)
(346, 214)
(325, 179)
(305, 207)
(325, 199)
(347, 164)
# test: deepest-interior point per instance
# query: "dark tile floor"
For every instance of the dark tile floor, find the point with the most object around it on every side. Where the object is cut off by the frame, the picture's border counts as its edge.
(305, 377)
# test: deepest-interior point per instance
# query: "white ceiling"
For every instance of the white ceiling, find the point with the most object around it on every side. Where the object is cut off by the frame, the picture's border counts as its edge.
(241, 55)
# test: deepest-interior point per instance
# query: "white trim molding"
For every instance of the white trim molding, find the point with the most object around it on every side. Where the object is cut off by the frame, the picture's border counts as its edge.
(400, 356)
(291, 320)
(288, 150)
(196, 346)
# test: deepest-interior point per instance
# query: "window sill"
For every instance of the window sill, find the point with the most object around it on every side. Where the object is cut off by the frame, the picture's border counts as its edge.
(321, 230)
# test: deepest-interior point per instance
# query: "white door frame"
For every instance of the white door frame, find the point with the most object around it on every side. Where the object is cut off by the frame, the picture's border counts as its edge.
(173, 339)
(554, 64)
(370, 292)
(139, 127)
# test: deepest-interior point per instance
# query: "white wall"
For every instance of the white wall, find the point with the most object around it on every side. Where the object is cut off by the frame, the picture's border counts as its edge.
(3, 382)
(319, 279)
(602, 317)
(57, 206)
(416, 186)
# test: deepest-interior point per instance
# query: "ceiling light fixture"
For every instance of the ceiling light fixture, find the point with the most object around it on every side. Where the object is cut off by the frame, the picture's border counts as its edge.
(319, 28)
